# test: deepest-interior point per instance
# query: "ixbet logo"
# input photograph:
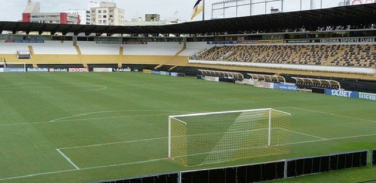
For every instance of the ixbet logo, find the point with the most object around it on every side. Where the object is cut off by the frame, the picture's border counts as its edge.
(341, 93)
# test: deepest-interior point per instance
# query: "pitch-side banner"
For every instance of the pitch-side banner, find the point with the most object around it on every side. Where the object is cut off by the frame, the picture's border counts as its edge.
(102, 69)
(37, 69)
(285, 87)
(367, 96)
(78, 69)
(342, 93)
(58, 69)
(262, 84)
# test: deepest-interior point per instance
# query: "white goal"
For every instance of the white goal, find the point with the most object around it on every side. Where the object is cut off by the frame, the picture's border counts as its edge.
(206, 138)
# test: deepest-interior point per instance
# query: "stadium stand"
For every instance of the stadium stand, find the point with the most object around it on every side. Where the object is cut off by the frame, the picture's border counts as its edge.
(354, 55)
(91, 48)
(54, 48)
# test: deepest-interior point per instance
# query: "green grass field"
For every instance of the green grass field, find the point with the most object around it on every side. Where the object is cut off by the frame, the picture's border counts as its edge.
(87, 127)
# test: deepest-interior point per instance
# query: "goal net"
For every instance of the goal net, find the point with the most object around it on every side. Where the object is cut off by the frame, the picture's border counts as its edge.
(206, 138)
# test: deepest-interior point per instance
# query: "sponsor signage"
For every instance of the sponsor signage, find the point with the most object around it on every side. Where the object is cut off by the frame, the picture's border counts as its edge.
(285, 87)
(37, 69)
(102, 69)
(211, 78)
(156, 72)
(299, 41)
(1, 69)
(342, 93)
(147, 71)
(164, 73)
(175, 74)
(262, 84)
(121, 69)
(108, 42)
(135, 42)
(24, 41)
(222, 42)
(248, 42)
(58, 70)
(349, 40)
(270, 41)
(367, 96)
(120, 42)
(78, 69)
(14, 70)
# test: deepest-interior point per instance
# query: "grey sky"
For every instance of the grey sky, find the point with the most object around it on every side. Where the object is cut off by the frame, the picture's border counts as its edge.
(11, 10)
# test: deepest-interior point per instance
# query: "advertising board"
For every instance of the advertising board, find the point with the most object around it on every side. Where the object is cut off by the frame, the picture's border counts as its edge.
(367, 96)
(175, 74)
(24, 41)
(1, 69)
(121, 69)
(211, 78)
(285, 87)
(164, 73)
(58, 70)
(37, 69)
(78, 69)
(262, 84)
(14, 70)
(102, 70)
(342, 93)
(222, 42)
(156, 72)
(248, 42)
(147, 71)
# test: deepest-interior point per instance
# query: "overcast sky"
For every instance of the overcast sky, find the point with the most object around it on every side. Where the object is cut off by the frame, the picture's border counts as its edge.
(11, 10)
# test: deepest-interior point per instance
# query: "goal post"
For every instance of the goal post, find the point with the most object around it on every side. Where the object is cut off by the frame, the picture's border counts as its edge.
(206, 138)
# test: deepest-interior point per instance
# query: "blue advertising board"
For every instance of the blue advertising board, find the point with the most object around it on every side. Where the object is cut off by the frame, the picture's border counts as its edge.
(285, 87)
(28, 41)
(222, 42)
(14, 70)
(342, 93)
(156, 72)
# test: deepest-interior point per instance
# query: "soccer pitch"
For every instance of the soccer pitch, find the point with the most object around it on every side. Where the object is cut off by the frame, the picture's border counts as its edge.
(87, 127)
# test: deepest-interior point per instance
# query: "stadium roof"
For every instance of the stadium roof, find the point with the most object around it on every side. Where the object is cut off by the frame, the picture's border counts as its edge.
(356, 15)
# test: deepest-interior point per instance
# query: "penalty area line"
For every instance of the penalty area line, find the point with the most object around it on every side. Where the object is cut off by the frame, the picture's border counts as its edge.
(88, 168)
(68, 159)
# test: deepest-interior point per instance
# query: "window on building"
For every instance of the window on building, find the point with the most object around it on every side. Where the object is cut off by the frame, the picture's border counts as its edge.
(111, 16)
(111, 11)
(104, 16)
(99, 16)
(100, 21)
(104, 11)
(104, 21)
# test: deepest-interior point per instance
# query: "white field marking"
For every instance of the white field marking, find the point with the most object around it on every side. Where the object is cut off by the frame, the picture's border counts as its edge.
(305, 134)
(337, 115)
(338, 138)
(88, 168)
(68, 159)
(155, 160)
(100, 112)
(73, 120)
(113, 143)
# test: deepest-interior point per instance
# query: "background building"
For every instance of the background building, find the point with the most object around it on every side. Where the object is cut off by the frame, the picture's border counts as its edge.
(32, 14)
(152, 17)
(107, 14)
(84, 15)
